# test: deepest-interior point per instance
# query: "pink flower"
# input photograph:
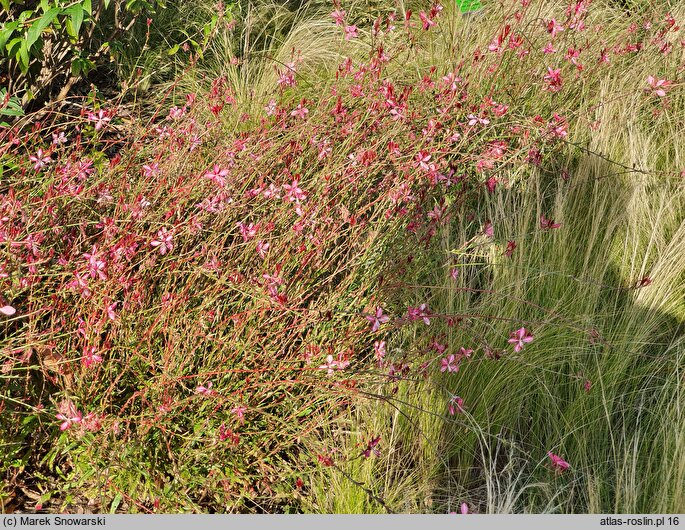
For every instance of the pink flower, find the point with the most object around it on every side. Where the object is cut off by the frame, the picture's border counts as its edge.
(397, 112)
(300, 112)
(422, 160)
(101, 119)
(587, 385)
(379, 349)
(248, 231)
(572, 55)
(436, 213)
(91, 422)
(456, 405)
(558, 127)
(150, 170)
(342, 362)
(549, 48)
(554, 27)
(164, 241)
(68, 414)
(287, 77)
(377, 319)
(339, 17)
(293, 192)
(447, 366)
(217, 175)
(553, 79)
(80, 282)
(40, 159)
(272, 283)
(454, 274)
(548, 224)
(59, 138)
(438, 347)
(371, 448)
(427, 22)
(270, 108)
(473, 120)
(69, 420)
(499, 110)
(262, 248)
(511, 246)
(272, 192)
(520, 338)
(488, 230)
(110, 311)
(90, 357)
(331, 364)
(466, 353)
(96, 267)
(558, 463)
(657, 86)
(205, 390)
(175, 113)
(239, 411)
(415, 313)
(350, 32)
(7, 310)
(464, 508)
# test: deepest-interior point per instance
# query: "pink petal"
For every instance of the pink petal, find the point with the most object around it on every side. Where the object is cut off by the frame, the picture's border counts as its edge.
(7, 310)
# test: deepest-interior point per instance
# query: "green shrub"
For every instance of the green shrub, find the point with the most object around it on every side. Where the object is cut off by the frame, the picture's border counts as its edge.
(46, 46)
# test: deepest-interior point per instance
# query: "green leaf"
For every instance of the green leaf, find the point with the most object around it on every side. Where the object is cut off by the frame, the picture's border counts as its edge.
(23, 56)
(468, 6)
(209, 27)
(76, 67)
(115, 503)
(11, 112)
(81, 66)
(24, 16)
(5, 5)
(88, 7)
(75, 13)
(173, 50)
(6, 33)
(13, 46)
(39, 25)
(13, 106)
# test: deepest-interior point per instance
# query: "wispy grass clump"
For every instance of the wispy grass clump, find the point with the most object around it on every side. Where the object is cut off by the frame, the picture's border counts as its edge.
(578, 247)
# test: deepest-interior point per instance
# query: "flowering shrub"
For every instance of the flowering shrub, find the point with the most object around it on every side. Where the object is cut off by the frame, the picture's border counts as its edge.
(197, 309)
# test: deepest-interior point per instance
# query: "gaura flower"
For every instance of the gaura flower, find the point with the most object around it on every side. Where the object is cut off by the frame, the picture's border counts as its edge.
(558, 463)
(520, 338)
(377, 319)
